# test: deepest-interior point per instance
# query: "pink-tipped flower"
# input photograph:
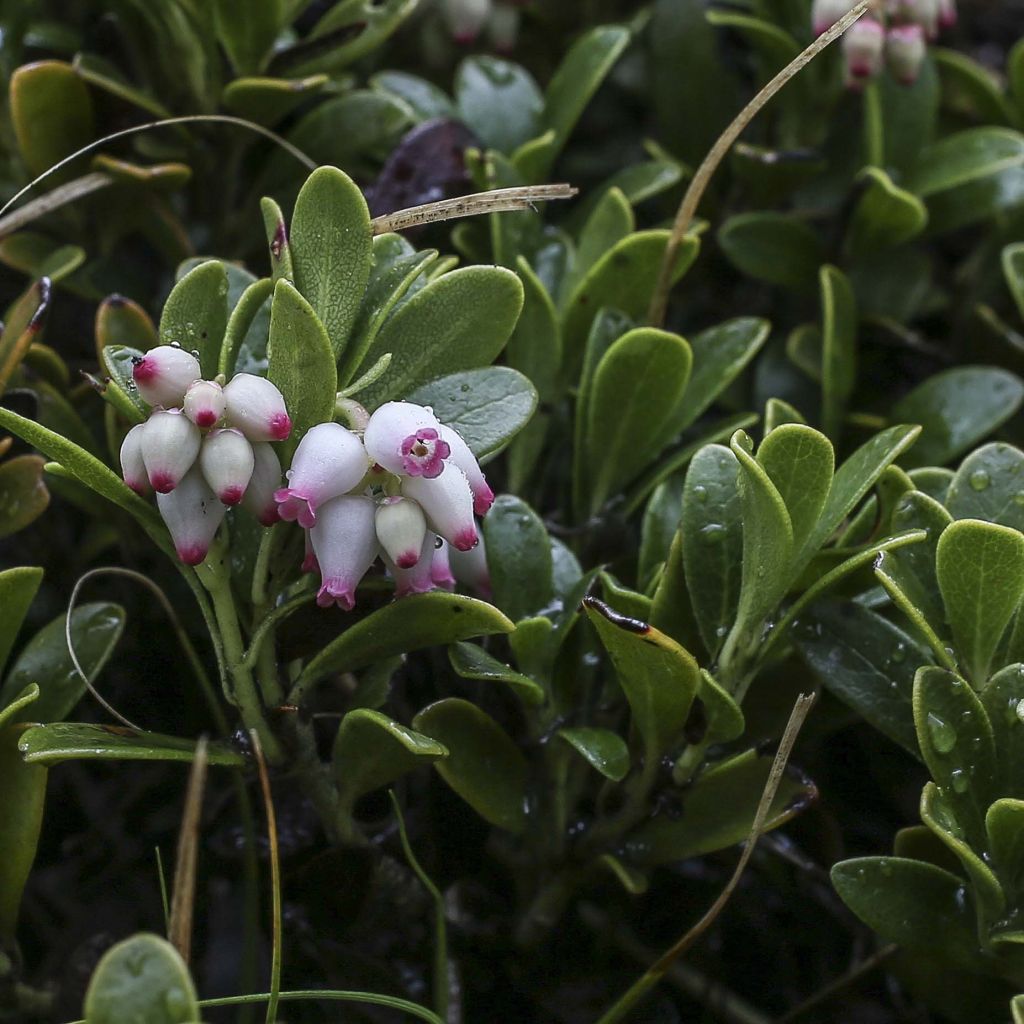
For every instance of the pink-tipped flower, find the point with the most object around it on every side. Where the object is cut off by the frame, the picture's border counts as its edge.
(863, 48)
(448, 504)
(470, 568)
(192, 513)
(947, 13)
(227, 461)
(417, 578)
(170, 444)
(461, 456)
(164, 374)
(133, 468)
(440, 566)
(466, 19)
(265, 480)
(345, 544)
(205, 403)
(401, 527)
(503, 27)
(256, 408)
(825, 13)
(406, 440)
(905, 50)
(329, 461)
(309, 562)
(914, 12)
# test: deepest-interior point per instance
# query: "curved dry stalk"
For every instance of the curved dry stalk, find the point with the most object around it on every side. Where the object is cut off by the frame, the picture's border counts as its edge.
(699, 182)
(183, 896)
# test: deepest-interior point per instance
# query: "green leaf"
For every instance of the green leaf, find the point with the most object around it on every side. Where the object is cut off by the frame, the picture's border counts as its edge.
(483, 765)
(300, 361)
(120, 321)
(535, 348)
(26, 319)
(956, 741)
(427, 100)
(144, 980)
(712, 542)
(957, 409)
(980, 571)
(637, 385)
(989, 486)
(718, 811)
(773, 247)
(253, 301)
(964, 157)
(18, 587)
(95, 631)
(331, 243)
(839, 347)
(1004, 826)
(473, 662)
(23, 495)
(20, 824)
(39, 256)
(885, 216)
(519, 558)
(799, 461)
(1001, 698)
(910, 903)
(77, 741)
(269, 100)
(1013, 270)
(422, 620)
(247, 29)
(966, 83)
(610, 221)
(774, 47)
(371, 751)
(278, 244)
(488, 407)
(604, 750)
(196, 314)
(460, 321)
(661, 520)
(722, 715)
(52, 114)
(499, 101)
(867, 662)
(101, 74)
(659, 678)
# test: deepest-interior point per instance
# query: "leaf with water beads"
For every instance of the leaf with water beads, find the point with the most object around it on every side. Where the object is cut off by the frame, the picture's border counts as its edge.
(1003, 699)
(989, 485)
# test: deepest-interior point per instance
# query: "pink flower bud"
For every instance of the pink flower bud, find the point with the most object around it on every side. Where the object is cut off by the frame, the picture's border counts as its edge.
(905, 52)
(133, 469)
(309, 562)
(266, 478)
(863, 47)
(947, 13)
(503, 27)
(914, 12)
(470, 568)
(345, 544)
(440, 566)
(227, 461)
(329, 461)
(825, 13)
(466, 18)
(192, 514)
(448, 503)
(256, 408)
(401, 527)
(205, 402)
(461, 456)
(406, 440)
(417, 578)
(164, 373)
(170, 444)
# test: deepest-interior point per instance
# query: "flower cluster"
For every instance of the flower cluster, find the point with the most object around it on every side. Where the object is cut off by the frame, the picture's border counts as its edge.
(467, 19)
(896, 34)
(408, 491)
(205, 447)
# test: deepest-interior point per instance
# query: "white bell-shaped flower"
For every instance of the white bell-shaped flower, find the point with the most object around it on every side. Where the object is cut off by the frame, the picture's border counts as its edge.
(345, 544)
(133, 468)
(164, 374)
(417, 578)
(256, 407)
(309, 562)
(170, 444)
(466, 19)
(461, 456)
(405, 439)
(825, 13)
(329, 461)
(947, 13)
(401, 527)
(863, 50)
(227, 461)
(205, 403)
(470, 568)
(905, 49)
(440, 566)
(448, 503)
(503, 27)
(192, 513)
(265, 480)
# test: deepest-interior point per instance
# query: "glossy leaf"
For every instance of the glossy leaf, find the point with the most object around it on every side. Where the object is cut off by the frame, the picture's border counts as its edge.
(610, 221)
(800, 462)
(268, 100)
(499, 101)
(247, 29)
(26, 319)
(519, 558)
(989, 485)
(253, 302)
(120, 321)
(77, 741)
(604, 750)
(772, 247)
(483, 765)
(196, 314)
(23, 495)
(964, 157)
(427, 100)
(1001, 698)
(331, 244)
(885, 216)
(1004, 826)
(838, 352)
(1013, 271)
(473, 662)
(18, 587)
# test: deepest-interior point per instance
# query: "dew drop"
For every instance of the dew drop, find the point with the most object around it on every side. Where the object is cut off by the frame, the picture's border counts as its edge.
(899, 653)
(1020, 710)
(960, 780)
(942, 733)
(700, 493)
(980, 479)
(713, 533)
(175, 344)
(886, 868)
(1018, 498)
(464, 388)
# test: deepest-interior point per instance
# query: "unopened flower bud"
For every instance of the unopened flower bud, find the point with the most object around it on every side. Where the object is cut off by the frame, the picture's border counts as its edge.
(863, 47)
(914, 12)
(309, 562)
(401, 527)
(466, 18)
(470, 568)
(503, 27)
(448, 503)
(947, 13)
(256, 408)
(406, 440)
(905, 52)
(825, 13)
(170, 444)
(440, 566)
(416, 578)
(227, 461)
(461, 456)
(192, 513)
(265, 480)
(205, 403)
(345, 544)
(329, 461)
(164, 374)
(133, 468)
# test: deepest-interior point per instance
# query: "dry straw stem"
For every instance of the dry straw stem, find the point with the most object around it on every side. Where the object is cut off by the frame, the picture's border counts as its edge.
(700, 180)
(179, 929)
(658, 969)
(275, 879)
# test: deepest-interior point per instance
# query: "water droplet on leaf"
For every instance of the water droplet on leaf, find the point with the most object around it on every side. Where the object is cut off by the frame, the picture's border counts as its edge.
(942, 733)
(980, 479)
